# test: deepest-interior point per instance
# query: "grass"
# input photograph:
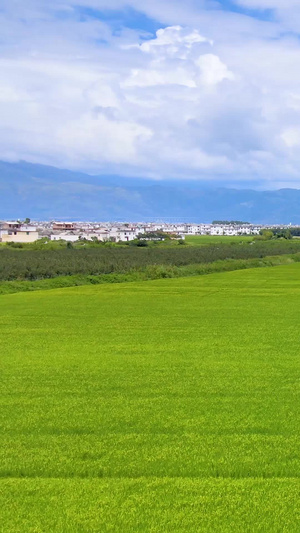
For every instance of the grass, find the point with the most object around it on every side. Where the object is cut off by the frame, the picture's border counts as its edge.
(171, 405)
(150, 272)
(201, 240)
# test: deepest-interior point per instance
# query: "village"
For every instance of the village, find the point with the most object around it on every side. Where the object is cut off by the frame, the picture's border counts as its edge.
(28, 231)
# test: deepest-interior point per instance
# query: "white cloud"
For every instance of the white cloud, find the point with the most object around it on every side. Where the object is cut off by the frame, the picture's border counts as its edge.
(172, 39)
(212, 69)
(291, 137)
(99, 138)
(268, 4)
(176, 62)
(211, 94)
(148, 78)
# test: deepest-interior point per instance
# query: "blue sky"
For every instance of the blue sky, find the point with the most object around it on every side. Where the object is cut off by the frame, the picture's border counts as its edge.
(265, 13)
(163, 88)
(136, 18)
(117, 19)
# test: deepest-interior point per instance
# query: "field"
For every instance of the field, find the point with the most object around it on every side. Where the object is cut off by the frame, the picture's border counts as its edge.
(201, 240)
(32, 265)
(160, 406)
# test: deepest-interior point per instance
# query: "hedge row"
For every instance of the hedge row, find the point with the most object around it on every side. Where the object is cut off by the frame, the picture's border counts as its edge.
(46, 264)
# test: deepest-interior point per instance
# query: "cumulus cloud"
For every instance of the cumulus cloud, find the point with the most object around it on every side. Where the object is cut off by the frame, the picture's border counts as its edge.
(213, 70)
(210, 94)
(173, 61)
(173, 39)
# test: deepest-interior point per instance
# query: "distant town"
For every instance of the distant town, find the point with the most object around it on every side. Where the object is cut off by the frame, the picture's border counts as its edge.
(28, 231)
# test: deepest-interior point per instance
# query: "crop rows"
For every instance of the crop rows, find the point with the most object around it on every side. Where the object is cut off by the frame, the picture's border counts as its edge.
(40, 264)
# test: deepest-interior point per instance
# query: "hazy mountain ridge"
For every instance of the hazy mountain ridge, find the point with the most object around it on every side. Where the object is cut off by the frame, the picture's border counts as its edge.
(43, 192)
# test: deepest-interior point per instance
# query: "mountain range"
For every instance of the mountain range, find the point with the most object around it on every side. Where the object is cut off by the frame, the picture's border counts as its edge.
(47, 193)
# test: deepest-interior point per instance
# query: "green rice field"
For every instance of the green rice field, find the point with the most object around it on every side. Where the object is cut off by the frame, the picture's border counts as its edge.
(201, 240)
(162, 406)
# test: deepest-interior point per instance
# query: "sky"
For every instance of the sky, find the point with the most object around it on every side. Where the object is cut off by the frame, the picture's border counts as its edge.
(163, 89)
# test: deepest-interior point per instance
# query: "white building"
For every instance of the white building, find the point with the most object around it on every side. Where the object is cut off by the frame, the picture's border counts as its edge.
(16, 232)
(123, 234)
(68, 237)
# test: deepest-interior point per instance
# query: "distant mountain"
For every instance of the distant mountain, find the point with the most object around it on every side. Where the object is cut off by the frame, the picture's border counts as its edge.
(43, 193)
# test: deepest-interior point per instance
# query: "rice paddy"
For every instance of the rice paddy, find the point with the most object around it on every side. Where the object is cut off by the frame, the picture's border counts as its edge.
(162, 406)
(201, 240)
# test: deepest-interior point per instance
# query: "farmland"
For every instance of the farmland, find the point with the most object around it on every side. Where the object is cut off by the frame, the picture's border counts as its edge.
(28, 264)
(160, 406)
(201, 240)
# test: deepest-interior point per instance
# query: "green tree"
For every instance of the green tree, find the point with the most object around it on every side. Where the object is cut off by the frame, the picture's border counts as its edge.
(266, 234)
